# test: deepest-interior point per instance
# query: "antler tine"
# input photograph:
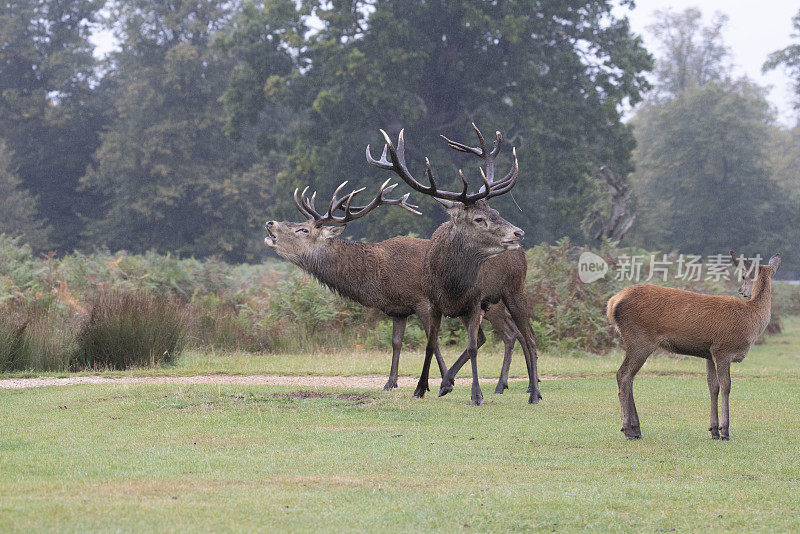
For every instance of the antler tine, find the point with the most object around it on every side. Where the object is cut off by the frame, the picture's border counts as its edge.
(463, 196)
(394, 159)
(331, 207)
(352, 213)
(309, 206)
(398, 163)
(498, 141)
(307, 214)
(479, 151)
(508, 182)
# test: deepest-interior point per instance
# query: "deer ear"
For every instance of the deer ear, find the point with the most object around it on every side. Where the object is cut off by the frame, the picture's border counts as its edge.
(450, 206)
(329, 232)
(774, 264)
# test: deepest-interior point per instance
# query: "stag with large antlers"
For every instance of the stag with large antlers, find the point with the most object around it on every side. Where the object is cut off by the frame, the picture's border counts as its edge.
(385, 275)
(452, 275)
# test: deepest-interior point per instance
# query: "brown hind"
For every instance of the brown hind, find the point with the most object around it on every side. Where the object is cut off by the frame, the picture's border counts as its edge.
(719, 329)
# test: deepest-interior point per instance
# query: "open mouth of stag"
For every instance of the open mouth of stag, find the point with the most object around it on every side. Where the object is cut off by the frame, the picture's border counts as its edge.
(271, 240)
(510, 243)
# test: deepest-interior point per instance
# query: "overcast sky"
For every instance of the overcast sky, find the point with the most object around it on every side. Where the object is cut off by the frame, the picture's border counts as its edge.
(754, 30)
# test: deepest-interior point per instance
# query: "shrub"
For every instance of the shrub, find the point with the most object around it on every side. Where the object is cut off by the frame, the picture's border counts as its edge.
(34, 339)
(125, 329)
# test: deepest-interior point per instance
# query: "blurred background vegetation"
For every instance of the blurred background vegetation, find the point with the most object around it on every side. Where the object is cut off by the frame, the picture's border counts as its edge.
(117, 311)
(141, 179)
(197, 125)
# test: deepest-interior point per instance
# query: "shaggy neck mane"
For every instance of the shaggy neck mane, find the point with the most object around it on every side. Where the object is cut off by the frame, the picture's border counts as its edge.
(343, 266)
(455, 260)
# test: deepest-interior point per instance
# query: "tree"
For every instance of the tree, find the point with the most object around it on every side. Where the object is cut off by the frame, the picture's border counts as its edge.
(612, 217)
(703, 180)
(18, 216)
(170, 178)
(692, 55)
(551, 76)
(49, 115)
(789, 58)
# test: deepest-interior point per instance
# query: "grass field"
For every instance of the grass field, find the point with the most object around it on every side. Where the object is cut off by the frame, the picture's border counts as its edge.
(144, 457)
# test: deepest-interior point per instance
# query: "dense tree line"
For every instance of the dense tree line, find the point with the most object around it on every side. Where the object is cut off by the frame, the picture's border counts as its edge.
(713, 171)
(206, 115)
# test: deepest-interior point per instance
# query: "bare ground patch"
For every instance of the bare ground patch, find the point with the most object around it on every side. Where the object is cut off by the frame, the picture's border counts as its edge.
(312, 381)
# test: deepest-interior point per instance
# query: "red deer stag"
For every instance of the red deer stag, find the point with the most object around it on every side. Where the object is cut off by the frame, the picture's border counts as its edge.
(454, 276)
(718, 328)
(385, 275)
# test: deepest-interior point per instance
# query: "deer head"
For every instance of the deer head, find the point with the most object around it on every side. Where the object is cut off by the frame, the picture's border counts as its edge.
(470, 213)
(751, 273)
(294, 241)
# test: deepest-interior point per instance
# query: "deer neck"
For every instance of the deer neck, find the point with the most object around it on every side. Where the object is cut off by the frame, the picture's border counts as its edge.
(343, 266)
(453, 263)
(761, 299)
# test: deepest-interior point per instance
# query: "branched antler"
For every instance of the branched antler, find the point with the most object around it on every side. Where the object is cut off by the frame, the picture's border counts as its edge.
(306, 205)
(393, 159)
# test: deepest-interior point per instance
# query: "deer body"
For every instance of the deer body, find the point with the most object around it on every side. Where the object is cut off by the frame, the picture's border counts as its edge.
(387, 276)
(719, 329)
(454, 278)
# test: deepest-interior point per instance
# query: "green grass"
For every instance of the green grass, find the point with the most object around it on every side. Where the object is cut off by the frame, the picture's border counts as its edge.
(779, 357)
(145, 457)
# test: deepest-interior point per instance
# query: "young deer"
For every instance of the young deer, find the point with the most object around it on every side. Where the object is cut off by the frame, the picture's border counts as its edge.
(453, 277)
(718, 328)
(385, 275)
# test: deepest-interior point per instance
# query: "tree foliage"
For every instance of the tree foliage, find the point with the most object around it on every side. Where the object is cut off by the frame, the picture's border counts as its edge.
(18, 215)
(171, 180)
(49, 116)
(551, 76)
(692, 54)
(703, 179)
(789, 58)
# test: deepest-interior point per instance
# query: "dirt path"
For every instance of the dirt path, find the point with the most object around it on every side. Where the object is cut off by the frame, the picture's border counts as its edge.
(366, 381)
(363, 381)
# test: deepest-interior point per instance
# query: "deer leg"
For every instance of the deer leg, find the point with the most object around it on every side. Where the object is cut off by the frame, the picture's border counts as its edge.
(723, 365)
(516, 306)
(477, 394)
(448, 380)
(398, 330)
(713, 389)
(634, 359)
(434, 321)
(510, 335)
(474, 333)
(509, 339)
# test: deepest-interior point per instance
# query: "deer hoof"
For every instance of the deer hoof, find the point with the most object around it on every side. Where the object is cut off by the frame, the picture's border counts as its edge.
(477, 402)
(445, 389)
(420, 392)
(534, 398)
(499, 389)
(390, 385)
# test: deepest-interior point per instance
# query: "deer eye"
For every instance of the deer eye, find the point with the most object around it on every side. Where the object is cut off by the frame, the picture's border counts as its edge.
(302, 231)
(479, 219)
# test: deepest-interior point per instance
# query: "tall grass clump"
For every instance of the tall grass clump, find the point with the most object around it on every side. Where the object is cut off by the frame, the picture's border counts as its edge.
(125, 329)
(35, 339)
